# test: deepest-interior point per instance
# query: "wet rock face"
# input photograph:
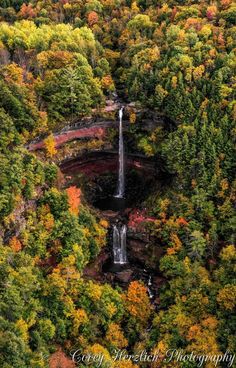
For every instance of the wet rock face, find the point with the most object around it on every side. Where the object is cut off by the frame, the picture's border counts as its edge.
(90, 166)
(145, 253)
(124, 276)
(143, 260)
(94, 270)
(96, 173)
(98, 162)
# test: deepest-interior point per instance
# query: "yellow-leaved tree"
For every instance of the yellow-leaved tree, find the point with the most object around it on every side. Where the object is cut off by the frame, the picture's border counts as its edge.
(50, 146)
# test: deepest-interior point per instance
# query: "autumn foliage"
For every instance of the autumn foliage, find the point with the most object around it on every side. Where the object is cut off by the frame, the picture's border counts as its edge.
(50, 145)
(64, 64)
(15, 244)
(27, 11)
(74, 199)
(137, 302)
(92, 18)
(115, 336)
(60, 360)
(211, 12)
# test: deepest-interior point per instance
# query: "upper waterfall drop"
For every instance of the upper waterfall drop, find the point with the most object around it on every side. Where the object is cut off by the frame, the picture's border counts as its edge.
(121, 178)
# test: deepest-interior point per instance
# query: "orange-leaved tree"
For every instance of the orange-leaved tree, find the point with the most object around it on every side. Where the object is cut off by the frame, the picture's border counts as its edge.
(74, 199)
(92, 18)
(137, 302)
(60, 360)
(15, 244)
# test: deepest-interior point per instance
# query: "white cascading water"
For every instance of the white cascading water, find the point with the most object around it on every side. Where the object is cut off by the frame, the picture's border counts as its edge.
(119, 244)
(151, 295)
(121, 178)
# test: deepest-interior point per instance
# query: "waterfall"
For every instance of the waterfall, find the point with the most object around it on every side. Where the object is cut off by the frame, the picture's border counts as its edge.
(121, 179)
(150, 281)
(150, 293)
(119, 244)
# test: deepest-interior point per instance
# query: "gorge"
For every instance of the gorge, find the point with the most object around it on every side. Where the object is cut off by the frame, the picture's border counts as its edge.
(117, 181)
(116, 192)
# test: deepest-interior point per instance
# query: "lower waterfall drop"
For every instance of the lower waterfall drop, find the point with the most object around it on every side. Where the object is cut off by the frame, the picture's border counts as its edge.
(119, 244)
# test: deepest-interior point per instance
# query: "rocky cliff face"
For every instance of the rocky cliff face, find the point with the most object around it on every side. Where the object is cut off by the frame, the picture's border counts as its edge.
(103, 124)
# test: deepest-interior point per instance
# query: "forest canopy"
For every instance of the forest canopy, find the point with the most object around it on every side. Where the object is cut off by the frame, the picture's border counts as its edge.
(60, 62)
